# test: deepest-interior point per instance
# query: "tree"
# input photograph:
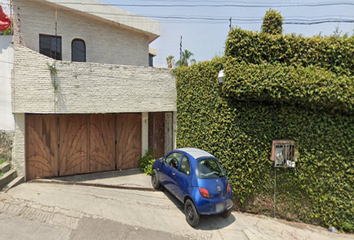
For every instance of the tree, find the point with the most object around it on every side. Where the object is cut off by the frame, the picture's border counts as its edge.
(272, 22)
(170, 61)
(186, 55)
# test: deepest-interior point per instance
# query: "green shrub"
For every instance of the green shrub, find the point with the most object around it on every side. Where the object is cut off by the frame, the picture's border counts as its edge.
(1, 161)
(347, 227)
(146, 162)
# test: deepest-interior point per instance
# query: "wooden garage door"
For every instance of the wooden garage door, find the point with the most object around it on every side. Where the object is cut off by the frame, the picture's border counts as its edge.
(60, 145)
(157, 134)
(129, 140)
(102, 142)
(74, 145)
(41, 146)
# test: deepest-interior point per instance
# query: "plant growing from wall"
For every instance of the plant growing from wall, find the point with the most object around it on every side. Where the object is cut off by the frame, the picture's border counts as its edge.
(53, 72)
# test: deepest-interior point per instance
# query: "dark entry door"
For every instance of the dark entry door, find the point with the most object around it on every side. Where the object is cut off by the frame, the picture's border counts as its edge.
(157, 134)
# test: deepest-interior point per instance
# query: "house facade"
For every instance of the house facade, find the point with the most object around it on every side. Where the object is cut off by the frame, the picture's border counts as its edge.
(84, 98)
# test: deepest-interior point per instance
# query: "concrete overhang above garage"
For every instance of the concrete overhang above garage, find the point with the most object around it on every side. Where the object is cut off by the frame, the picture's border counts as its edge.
(96, 9)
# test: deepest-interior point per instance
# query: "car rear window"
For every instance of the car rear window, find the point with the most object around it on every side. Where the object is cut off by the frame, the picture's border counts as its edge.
(209, 169)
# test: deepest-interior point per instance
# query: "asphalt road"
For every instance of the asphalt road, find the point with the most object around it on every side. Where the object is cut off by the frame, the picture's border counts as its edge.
(55, 211)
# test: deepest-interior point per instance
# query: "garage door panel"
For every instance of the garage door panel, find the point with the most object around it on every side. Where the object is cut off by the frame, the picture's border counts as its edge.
(73, 156)
(129, 140)
(41, 146)
(102, 143)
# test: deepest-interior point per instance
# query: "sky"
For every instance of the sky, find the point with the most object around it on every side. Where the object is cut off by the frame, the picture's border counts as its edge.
(206, 37)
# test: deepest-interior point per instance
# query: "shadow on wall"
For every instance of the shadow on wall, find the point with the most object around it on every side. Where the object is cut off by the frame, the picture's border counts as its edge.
(6, 140)
(5, 42)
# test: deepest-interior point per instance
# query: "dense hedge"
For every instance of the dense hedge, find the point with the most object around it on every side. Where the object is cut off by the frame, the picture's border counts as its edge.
(311, 86)
(210, 116)
(333, 53)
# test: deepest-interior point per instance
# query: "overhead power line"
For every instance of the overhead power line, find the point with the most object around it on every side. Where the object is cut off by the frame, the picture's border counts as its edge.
(240, 5)
(211, 19)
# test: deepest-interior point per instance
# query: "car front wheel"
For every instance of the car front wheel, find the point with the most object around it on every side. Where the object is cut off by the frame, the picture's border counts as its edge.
(227, 213)
(155, 182)
(192, 215)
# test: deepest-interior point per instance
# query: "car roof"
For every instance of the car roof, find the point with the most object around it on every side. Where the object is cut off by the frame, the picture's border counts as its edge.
(196, 152)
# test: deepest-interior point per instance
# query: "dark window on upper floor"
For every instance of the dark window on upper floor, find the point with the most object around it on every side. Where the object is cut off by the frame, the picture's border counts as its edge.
(78, 50)
(50, 46)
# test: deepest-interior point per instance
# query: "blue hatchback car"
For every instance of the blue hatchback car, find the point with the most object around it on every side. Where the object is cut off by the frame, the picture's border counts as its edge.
(197, 179)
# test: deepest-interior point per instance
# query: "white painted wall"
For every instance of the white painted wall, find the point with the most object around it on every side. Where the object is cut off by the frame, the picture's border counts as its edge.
(144, 133)
(106, 41)
(6, 65)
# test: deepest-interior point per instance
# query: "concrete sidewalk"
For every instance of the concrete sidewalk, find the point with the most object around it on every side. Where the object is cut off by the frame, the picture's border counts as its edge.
(65, 208)
(68, 211)
(126, 179)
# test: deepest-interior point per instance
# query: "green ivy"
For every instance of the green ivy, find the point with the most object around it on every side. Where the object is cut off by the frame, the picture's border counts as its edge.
(238, 120)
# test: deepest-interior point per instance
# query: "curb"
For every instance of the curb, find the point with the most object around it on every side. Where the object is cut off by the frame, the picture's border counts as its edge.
(94, 185)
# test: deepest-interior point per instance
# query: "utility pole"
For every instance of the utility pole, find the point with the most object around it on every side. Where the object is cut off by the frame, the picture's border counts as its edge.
(180, 51)
(230, 26)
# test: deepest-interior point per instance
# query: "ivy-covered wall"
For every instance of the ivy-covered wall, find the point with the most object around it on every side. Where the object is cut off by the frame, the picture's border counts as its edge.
(267, 100)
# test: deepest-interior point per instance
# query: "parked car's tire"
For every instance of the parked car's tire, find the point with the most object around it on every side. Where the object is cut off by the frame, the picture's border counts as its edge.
(192, 215)
(155, 182)
(227, 213)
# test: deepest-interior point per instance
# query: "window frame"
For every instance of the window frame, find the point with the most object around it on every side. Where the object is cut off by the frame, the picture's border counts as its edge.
(60, 50)
(200, 164)
(167, 160)
(72, 46)
(188, 172)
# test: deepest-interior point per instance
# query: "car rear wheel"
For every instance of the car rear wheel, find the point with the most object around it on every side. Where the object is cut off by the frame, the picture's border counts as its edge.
(227, 213)
(155, 182)
(192, 215)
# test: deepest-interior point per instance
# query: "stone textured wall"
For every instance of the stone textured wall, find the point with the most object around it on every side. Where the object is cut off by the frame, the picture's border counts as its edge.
(106, 42)
(88, 87)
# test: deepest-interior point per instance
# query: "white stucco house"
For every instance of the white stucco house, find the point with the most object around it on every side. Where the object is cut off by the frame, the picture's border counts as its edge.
(84, 97)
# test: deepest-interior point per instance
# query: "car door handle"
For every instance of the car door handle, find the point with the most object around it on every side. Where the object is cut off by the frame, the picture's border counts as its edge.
(173, 174)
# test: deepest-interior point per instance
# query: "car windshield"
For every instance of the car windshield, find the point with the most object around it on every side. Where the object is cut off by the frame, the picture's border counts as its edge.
(210, 169)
